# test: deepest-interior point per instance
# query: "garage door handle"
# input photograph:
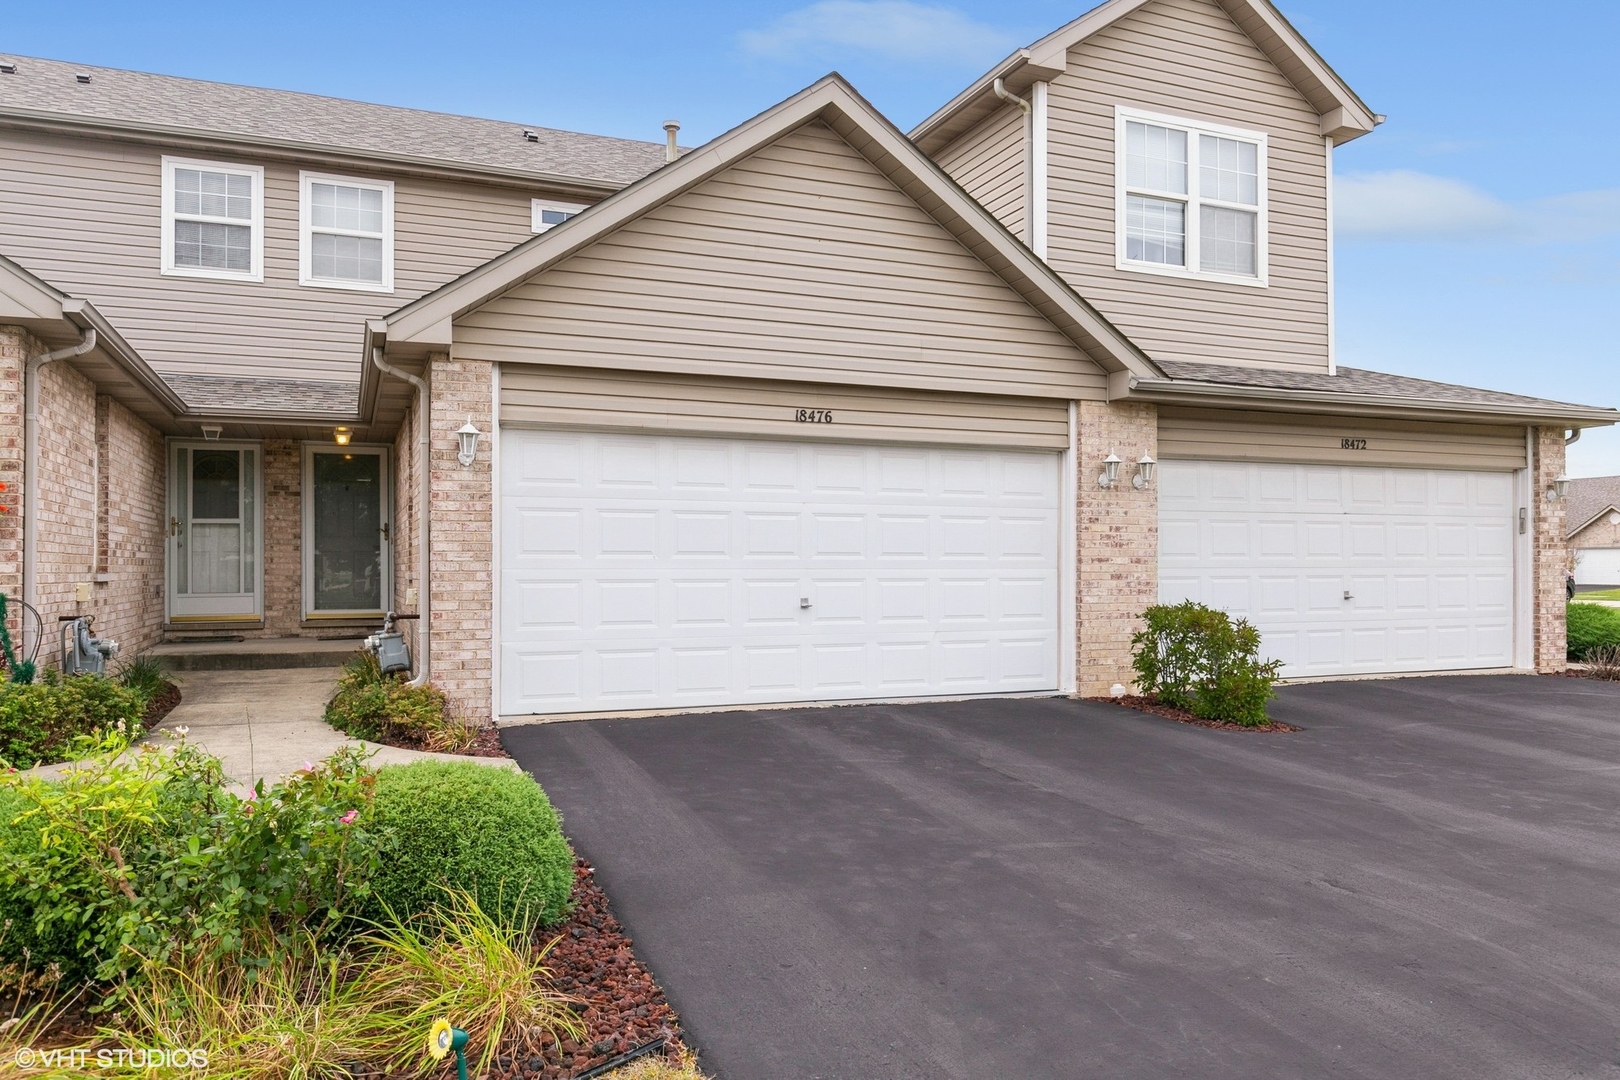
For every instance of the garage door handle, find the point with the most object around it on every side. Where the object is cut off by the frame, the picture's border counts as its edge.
(804, 601)
(1347, 594)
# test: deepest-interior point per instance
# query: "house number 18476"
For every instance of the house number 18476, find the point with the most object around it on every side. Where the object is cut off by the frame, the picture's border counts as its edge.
(812, 416)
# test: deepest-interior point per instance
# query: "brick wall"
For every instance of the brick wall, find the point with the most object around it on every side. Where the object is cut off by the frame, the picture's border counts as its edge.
(65, 536)
(16, 345)
(1550, 553)
(1600, 534)
(132, 519)
(407, 488)
(1118, 530)
(462, 518)
(283, 538)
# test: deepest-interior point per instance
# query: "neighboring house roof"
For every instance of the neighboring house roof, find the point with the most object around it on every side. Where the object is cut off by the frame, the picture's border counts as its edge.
(1590, 498)
(833, 101)
(1344, 115)
(49, 93)
(229, 395)
(1357, 390)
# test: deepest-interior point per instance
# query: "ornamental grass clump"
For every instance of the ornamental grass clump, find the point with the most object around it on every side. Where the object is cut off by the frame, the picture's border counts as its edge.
(1197, 658)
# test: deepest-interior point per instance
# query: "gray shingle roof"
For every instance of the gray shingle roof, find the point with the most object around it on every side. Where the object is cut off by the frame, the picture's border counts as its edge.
(133, 98)
(1351, 381)
(1588, 497)
(228, 395)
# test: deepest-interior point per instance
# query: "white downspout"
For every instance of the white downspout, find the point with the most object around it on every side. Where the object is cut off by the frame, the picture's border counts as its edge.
(1332, 301)
(31, 455)
(1039, 202)
(1011, 98)
(424, 584)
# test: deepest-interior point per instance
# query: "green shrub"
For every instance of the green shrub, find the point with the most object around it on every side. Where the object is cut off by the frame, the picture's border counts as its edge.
(370, 705)
(488, 831)
(136, 859)
(39, 721)
(1592, 626)
(1196, 658)
(145, 676)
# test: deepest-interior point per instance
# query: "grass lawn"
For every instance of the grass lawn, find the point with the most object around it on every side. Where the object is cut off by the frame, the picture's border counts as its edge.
(1602, 594)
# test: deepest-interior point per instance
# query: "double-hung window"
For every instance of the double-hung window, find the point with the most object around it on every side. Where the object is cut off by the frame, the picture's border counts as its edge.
(1191, 199)
(346, 233)
(548, 213)
(213, 220)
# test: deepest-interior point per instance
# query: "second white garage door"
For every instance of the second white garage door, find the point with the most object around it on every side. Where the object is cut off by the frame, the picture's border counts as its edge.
(1346, 570)
(648, 572)
(1597, 566)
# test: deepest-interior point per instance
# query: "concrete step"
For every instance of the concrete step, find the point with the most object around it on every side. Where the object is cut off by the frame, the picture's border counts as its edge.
(255, 654)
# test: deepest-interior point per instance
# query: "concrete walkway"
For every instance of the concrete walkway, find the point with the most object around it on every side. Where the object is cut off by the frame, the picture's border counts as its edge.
(266, 724)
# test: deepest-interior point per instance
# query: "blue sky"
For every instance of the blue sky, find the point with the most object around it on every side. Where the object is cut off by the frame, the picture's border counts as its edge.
(1479, 235)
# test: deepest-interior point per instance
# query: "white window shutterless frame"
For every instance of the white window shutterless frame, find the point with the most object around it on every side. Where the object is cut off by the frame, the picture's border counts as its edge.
(212, 220)
(548, 213)
(1190, 199)
(345, 232)
(216, 534)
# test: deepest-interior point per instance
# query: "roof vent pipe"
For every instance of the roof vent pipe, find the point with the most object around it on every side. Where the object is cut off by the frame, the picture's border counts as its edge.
(1008, 96)
(671, 151)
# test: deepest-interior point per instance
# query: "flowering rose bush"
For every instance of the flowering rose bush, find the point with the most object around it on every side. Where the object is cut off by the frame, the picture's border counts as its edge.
(143, 857)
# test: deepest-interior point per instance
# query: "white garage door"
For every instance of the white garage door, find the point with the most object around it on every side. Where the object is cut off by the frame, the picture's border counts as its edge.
(1597, 566)
(645, 572)
(1346, 570)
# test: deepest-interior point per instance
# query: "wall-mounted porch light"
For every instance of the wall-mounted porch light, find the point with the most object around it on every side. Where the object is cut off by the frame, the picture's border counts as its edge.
(1110, 473)
(1145, 468)
(341, 436)
(211, 432)
(1560, 488)
(468, 435)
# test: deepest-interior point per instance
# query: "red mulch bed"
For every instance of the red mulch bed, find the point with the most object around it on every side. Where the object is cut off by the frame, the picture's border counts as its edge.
(623, 1006)
(487, 743)
(1181, 716)
(161, 705)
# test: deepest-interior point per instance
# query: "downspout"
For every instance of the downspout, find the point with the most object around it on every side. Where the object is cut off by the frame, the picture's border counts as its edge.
(1573, 437)
(424, 589)
(1030, 233)
(31, 454)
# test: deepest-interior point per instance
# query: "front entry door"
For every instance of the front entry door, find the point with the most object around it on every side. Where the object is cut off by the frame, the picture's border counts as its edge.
(347, 569)
(214, 532)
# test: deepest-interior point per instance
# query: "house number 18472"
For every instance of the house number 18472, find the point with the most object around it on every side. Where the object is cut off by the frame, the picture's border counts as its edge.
(812, 416)
(1352, 444)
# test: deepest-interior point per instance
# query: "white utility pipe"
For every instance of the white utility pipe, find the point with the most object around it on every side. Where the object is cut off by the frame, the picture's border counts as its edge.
(31, 455)
(424, 584)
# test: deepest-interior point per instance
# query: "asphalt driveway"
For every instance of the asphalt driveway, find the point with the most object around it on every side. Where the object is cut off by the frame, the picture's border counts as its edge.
(1423, 883)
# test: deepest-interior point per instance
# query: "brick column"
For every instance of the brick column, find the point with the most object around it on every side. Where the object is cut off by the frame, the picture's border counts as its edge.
(283, 537)
(1118, 529)
(462, 516)
(16, 346)
(1550, 554)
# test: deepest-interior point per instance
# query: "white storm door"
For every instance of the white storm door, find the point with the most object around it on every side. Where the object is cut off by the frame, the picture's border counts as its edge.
(1346, 570)
(646, 572)
(214, 532)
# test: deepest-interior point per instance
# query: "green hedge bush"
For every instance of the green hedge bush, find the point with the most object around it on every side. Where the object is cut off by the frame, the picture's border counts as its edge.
(39, 721)
(1196, 658)
(1592, 626)
(370, 705)
(488, 831)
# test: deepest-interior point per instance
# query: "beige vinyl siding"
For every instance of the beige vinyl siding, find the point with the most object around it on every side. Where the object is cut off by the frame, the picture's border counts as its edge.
(801, 262)
(695, 405)
(1187, 58)
(989, 163)
(1215, 435)
(85, 216)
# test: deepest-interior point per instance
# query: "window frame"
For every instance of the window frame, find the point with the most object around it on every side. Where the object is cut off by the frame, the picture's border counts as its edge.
(307, 230)
(1192, 200)
(166, 263)
(536, 226)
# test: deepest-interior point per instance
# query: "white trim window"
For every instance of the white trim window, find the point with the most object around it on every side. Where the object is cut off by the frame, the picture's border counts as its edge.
(213, 220)
(345, 232)
(548, 213)
(1191, 198)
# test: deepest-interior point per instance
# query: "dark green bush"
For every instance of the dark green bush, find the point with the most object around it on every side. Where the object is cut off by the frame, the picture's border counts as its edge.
(1592, 626)
(1196, 658)
(39, 721)
(21, 944)
(488, 831)
(370, 705)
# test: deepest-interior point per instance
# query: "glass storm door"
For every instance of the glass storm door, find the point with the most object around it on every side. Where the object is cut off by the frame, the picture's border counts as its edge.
(213, 532)
(346, 504)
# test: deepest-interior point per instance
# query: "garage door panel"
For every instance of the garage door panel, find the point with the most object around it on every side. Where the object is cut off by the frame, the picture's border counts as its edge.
(679, 583)
(1347, 569)
(1597, 566)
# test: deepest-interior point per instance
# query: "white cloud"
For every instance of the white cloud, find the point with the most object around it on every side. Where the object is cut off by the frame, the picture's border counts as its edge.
(1403, 204)
(897, 29)
(1406, 205)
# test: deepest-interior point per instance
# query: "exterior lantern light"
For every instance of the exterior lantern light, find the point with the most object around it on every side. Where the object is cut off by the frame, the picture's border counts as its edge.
(468, 434)
(1110, 473)
(1560, 488)
(211, 432)
(340, 436)
(1145, 468)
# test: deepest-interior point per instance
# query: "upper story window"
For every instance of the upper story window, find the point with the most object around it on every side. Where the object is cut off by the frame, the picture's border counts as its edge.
(548, 212)
(1191, 199)
(213, 220)
(346, 233)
